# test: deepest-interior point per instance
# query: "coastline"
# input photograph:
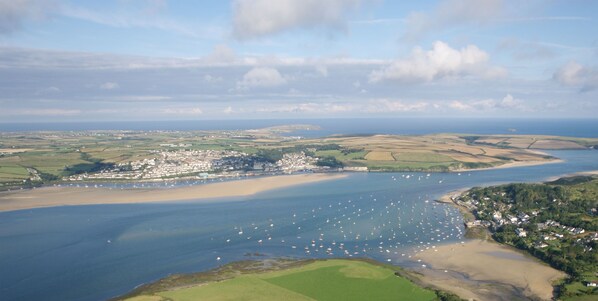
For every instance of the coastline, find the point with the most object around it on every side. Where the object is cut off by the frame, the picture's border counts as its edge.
(462, 268)
(71, 196)
(447, 198)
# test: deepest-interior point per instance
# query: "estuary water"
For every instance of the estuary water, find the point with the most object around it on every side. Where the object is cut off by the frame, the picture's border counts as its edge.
(101, 251)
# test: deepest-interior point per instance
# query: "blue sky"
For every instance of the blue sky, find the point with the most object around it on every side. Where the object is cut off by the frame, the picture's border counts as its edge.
(178, 60)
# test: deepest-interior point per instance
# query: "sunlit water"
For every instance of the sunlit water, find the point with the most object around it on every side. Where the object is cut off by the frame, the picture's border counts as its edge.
(97, 252)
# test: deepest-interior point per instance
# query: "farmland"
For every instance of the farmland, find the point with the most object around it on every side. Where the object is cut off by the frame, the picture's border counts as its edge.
(334, 279)
(34, 158)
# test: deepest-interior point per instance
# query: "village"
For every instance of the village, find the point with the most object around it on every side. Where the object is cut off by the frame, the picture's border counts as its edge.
(499, 214)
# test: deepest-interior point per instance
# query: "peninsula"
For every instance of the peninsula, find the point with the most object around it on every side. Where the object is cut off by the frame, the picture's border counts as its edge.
(556, 222)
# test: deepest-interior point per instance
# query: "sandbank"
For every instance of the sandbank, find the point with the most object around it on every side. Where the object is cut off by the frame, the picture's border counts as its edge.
(449, 196)
(67, 196)
(581, 173)
(484, 270)
(512, 165)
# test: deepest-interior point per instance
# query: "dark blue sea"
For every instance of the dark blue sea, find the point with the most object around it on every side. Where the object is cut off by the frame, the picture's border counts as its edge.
(365, 126)
(101, 251)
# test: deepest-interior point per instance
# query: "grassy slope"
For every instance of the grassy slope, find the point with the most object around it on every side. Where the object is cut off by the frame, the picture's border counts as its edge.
(320, 280)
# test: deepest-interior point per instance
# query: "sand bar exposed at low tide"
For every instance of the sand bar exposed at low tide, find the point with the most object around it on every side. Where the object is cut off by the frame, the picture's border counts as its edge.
(68, 196)
(484, 270)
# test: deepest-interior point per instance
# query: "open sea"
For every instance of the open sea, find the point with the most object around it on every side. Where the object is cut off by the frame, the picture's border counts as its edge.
(101, 251)
(365, 126)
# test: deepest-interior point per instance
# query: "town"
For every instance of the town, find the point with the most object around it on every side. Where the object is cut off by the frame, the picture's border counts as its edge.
(202, 164)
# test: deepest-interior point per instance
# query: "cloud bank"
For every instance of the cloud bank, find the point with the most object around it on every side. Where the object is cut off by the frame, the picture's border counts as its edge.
(576, 75)
(441, 61)
(259, 18)
(14, 12)
(262, 77)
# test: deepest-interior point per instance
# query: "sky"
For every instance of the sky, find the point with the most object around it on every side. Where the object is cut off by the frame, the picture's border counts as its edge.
(129, 60)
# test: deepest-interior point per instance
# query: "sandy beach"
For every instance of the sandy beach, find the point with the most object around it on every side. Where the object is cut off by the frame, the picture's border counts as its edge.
(447, 198)
(483, 270)
(68, 196)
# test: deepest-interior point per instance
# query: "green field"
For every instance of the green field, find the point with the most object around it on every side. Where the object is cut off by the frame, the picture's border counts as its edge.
(422, 157)
(11, 172)
(335, 279)
(406, 166)
(339, 155)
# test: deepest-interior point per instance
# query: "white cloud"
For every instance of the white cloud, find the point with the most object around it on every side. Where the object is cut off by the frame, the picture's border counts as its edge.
(183, 111)
(14, 12)
(109, 86)
(221, 54)
(507, 103)
(309, 107)
(371, 106)
(440, 62)
(261, 77)
(134, 98)
(228, 110)
(258, 18)
(458, 105)
(385, 105)
(575, 74)
(454, 13)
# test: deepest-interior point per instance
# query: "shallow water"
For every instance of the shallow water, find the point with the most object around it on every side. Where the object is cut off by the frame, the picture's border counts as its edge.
(97, 252)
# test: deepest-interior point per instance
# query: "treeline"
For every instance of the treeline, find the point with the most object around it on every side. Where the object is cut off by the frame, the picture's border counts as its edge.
(87, 168)
(92, 165)
(273, 155)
